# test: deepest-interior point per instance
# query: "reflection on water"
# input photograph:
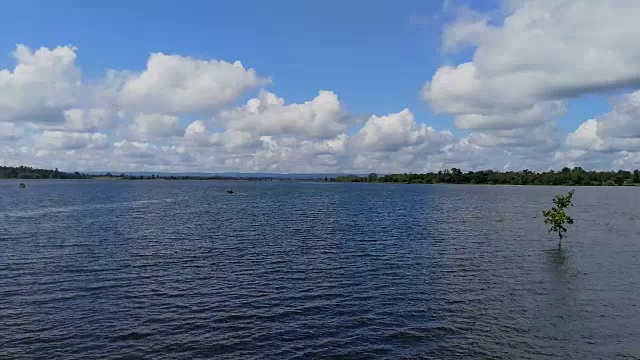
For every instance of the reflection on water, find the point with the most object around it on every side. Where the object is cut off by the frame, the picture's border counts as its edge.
(290, 270)
(564, 279)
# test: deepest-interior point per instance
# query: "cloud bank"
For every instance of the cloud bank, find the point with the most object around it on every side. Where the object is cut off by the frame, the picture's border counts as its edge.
(530, 60)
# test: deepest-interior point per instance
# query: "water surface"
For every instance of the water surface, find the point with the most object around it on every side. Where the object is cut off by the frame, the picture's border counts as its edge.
(180, 269)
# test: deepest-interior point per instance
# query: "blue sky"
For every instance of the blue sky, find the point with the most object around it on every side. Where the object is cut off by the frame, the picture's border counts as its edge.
(376, 56)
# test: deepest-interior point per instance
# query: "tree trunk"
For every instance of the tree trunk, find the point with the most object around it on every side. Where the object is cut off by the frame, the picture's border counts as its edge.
(559, 240)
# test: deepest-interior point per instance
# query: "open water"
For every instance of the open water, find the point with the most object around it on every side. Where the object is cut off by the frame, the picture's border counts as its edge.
(180, 269)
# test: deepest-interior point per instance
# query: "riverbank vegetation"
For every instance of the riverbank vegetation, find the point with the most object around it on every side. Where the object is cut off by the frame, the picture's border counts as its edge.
(25, 172)
(571, 177)
(566, 176)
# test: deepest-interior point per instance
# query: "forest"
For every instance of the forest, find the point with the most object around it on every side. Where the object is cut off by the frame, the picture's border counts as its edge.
(25, 172)
(566, 176)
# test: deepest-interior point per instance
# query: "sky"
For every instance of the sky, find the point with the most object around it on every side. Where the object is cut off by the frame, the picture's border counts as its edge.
(320, 87)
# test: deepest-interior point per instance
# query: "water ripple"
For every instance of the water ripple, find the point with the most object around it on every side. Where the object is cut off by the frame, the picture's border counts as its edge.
(168, 270)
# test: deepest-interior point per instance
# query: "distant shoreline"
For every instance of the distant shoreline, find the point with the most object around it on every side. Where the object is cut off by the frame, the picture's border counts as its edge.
(566, 177)
(318, 181)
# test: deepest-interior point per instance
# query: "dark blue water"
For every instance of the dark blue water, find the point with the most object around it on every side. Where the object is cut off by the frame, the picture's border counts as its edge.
(170, 269)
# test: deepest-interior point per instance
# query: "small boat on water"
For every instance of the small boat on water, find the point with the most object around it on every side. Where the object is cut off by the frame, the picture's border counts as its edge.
(229, 191)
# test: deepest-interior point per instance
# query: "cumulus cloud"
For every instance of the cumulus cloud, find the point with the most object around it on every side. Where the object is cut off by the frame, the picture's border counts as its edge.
(135, 149)
(608, 141)
(538, 138)
(585, 137)
(465, 154)
(145, 156)
(623, 121)
(398, 143)
(468, 26)
(196, 134)
(60, 140)
(615, 131)
(528, 59)
(321, 117)
(541, 53)
(155, 126)
(627, 160)
(289, 155)
(326, 147)
(88, 120)
(178, 84)
(43, 84)
(235, 141)
(396, 131)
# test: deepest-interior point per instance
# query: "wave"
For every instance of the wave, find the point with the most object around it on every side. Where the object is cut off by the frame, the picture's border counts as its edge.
(72, 208)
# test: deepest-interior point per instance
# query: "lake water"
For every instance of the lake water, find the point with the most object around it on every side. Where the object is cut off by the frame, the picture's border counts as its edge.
(180, 269)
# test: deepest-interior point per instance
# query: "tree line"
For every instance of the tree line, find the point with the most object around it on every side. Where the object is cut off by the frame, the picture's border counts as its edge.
(26, 172)
(123, 176)
(566, 176)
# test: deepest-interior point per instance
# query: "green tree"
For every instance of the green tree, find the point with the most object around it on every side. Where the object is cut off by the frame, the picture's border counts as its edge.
(557, 218)
(456, 175)
(373, 177)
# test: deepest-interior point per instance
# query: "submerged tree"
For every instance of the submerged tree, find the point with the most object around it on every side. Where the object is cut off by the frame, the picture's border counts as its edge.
(557, 218)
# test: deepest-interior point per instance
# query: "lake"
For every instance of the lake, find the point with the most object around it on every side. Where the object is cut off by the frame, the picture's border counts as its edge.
(293, 270)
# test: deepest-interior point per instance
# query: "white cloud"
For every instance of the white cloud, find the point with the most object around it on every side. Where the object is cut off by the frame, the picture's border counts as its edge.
(623, 121)
(542, 53)
(291, 156)
(615, 131)
(469, 27)
(196, 133)
(231, 140)
(627, 160)
(609, 141)
(322, 117)
(466, 154)
(88, 120)
(145, 156)
(395, 131)
(537, 139)
(585, 137)
(156, 126)
(234, 140)
(397, 143)
(42, 85)
(133, 121)
(60, 140)
(496, 120)
(135, 149)
(335, 146)
(178, 84)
